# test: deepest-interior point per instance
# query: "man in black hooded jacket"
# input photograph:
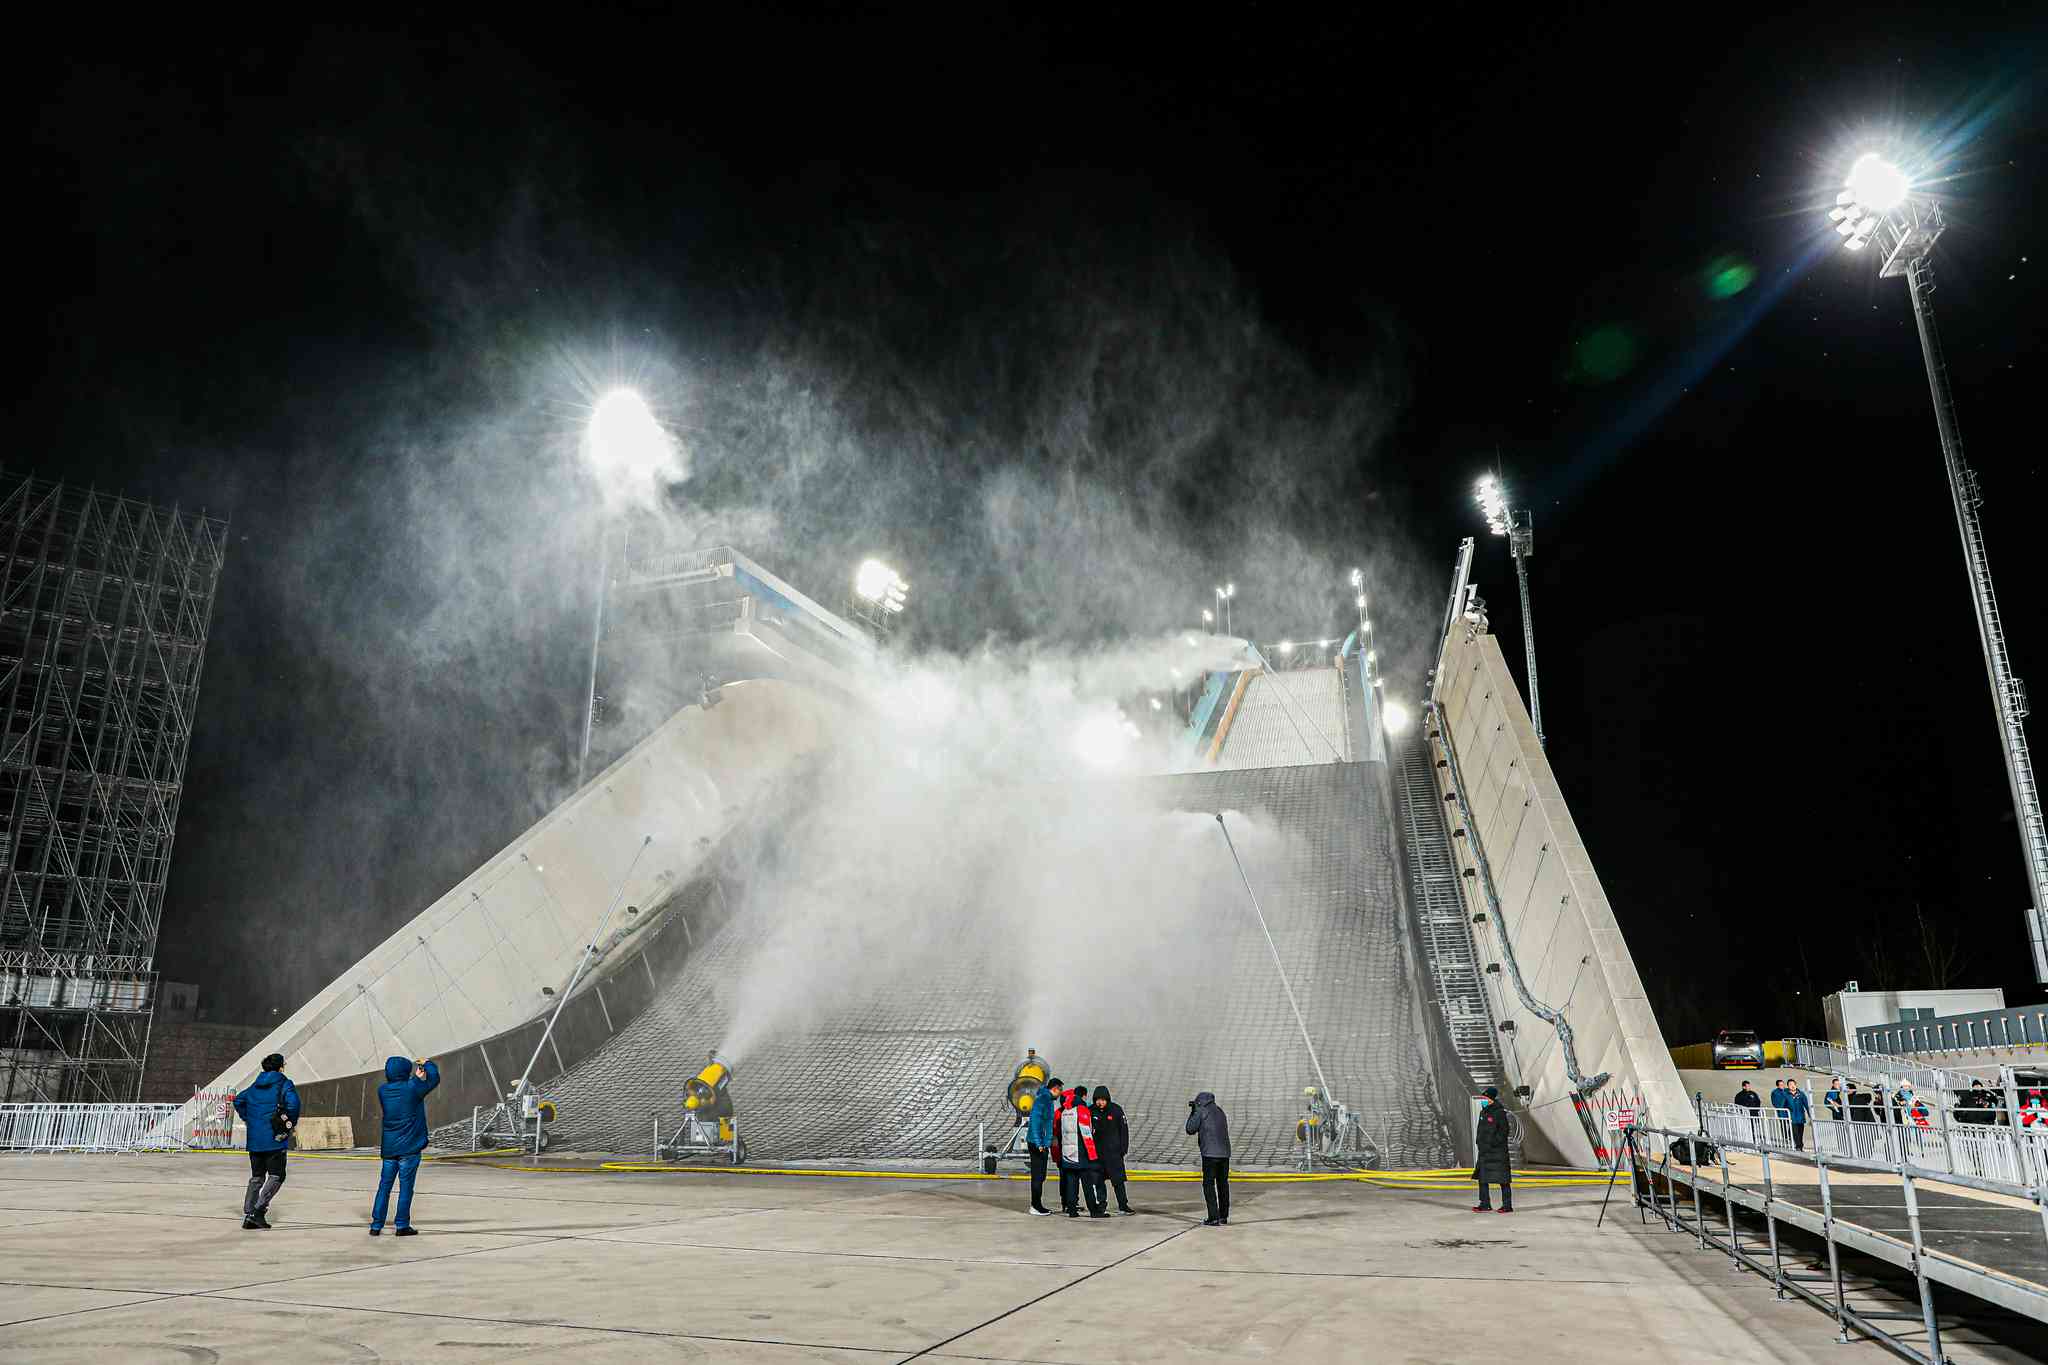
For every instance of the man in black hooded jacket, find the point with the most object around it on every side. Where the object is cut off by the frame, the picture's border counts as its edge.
(1112, 1143)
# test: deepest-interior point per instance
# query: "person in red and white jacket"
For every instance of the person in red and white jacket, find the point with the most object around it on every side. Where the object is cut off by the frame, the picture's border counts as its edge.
(1073, 1135)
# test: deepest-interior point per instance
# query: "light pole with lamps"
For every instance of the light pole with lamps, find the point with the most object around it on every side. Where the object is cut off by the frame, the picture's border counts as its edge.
(1518, 526)
(1223, 596)
(1878, 207)
(627, 450)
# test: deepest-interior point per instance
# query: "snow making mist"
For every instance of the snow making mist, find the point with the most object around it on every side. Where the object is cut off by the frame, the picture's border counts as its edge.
(965, 812)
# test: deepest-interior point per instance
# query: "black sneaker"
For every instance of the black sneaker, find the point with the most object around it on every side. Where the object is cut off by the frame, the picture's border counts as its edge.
(1125, 1212)
(376, 1232)
(1073, 1213)
(262, 1222)
(1212, 1222)
(251, 1225)
(406, 1232)
(1037, 1212)
(1096, 1213)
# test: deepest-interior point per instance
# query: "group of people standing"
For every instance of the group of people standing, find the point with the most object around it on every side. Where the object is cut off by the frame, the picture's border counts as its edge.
(269, 1106)
(1087, 1138)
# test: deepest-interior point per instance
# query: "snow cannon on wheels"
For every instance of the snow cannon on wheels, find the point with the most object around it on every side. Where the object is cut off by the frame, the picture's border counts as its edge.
(708, 1127)
(1332, 1135)
(1031, 1073)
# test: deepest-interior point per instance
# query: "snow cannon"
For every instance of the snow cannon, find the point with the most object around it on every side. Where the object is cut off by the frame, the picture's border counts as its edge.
(708, 1095)
(1031, 1073)
(707, 1128)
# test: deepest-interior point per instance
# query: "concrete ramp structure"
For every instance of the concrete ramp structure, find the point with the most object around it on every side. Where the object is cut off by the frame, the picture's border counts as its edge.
(1363, 851)
(1528, 882)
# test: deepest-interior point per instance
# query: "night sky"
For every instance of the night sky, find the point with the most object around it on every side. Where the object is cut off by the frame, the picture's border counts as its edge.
(1252, 297)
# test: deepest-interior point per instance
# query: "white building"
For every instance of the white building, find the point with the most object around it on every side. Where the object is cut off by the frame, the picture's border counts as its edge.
(1850, 1009)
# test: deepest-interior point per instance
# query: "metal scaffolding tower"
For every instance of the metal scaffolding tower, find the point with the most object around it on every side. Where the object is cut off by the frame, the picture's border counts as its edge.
(104, 608)
(1905, 235)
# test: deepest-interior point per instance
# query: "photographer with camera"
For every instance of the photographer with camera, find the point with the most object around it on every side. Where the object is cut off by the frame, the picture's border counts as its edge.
(403, 1099)
(1206, 1121)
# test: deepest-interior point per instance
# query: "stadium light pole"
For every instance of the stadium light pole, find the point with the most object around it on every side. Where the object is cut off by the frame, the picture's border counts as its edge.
(1223, 596)
(626, 448)
(1878, 207)
(1519, 527)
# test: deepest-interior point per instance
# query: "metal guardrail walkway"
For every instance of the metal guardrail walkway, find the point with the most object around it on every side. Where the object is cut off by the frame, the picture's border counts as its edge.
(1859, 1215)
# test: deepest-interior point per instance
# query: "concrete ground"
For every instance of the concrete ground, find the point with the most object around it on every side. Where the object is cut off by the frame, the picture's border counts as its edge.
(143, 1258)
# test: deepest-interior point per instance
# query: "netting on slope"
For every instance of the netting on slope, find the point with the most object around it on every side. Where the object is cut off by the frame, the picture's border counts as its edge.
(909, 1071)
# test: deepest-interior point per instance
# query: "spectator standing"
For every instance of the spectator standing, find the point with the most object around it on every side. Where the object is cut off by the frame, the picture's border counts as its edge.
(1045, 1103)
(1778, 1097)
(1750, 1100)
(403, 1099)
(1080, 1158)
(1833, 1099)
(1113, 1141)
(1492, 1142)
(1798, 1108)
(1208, 1123)
(269, 1107)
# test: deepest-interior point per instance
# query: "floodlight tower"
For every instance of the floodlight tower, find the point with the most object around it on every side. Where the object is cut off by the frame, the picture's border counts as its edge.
(1223, 596)
(879, 595)
(1878, 206)
(626, 449)
(1519, 527)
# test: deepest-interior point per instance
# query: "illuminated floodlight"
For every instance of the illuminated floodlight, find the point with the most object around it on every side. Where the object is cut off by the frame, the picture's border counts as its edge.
(1359, 601)
(876, 582)
(1396, 717)
(1158, 705)
(1493, 501)
(1876, 184)
(1287, 646)
(1104, 740)
(1357, 578)
(624, 441)
(1208, 617)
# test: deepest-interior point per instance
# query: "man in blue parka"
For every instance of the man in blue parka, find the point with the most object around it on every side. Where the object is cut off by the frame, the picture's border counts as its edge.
(403, 1097)
(269, 1107)
(1038, 1138)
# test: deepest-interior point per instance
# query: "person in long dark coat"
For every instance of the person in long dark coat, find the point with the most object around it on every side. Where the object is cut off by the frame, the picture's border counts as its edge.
(1494, 1166)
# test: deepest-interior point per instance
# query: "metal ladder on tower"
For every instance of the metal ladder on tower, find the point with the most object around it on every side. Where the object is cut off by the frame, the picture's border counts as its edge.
(2008, 692)
(1439, 901)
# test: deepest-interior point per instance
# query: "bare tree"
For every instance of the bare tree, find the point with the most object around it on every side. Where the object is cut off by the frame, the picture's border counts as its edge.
(1942, 949)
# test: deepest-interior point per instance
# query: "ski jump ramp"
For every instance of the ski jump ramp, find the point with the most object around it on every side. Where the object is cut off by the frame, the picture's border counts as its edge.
(900, 1046)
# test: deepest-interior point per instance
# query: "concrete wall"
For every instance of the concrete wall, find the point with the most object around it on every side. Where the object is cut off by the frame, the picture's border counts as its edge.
(1562, 930)
(473, 964)
(185, 1056)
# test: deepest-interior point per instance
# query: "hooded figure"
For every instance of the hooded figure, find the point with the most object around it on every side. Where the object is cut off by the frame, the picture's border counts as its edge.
(403, 1098)
(1490, 1141)
(1208, 1124)
(1080, 1158)
(1113, 1141)
(269, 1106)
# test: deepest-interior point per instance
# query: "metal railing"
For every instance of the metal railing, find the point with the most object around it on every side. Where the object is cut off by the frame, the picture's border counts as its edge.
(1814, 1055)
(1759, 1134)
(1918, 1137)
(210, 1125)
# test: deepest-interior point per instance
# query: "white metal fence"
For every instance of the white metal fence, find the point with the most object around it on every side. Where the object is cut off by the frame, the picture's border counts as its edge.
(1986, 1151)
(117, 1127)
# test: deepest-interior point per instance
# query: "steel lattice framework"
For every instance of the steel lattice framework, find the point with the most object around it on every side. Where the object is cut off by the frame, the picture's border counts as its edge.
(104, 609)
